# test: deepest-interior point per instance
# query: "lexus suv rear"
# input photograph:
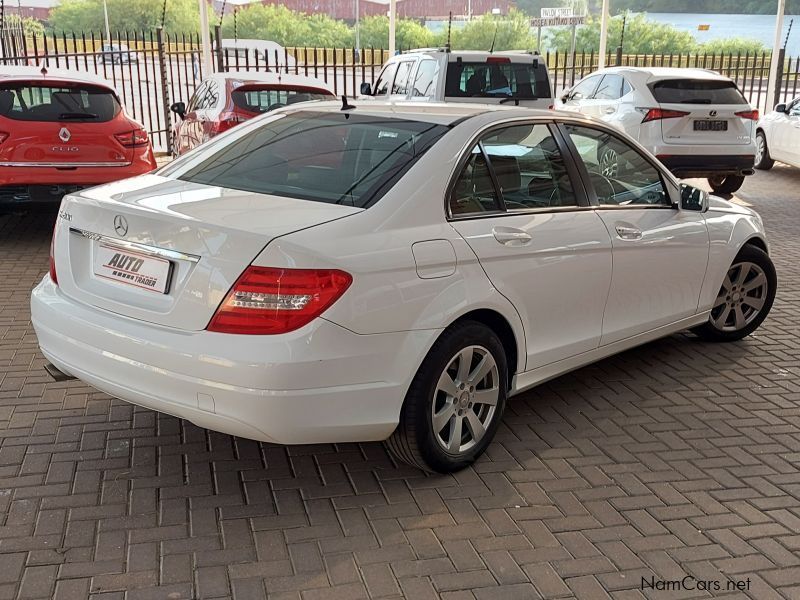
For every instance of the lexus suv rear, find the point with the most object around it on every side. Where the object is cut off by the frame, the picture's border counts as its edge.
(61, 131)
(696, 122)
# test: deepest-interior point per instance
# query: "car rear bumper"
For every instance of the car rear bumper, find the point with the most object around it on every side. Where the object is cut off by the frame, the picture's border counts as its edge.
(704, 165)
(319, 384)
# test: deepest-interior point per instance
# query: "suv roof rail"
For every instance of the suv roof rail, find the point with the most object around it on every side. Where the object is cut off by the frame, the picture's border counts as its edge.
(439, 49)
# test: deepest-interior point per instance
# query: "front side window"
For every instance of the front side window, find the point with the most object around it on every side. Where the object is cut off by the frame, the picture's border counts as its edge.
(584, 89)
(620, 174)
(385, 80)
(58, 103)
(794, 109)
(425, 79)
(348, 158)
(496, 78)
(400, 85)
(529, 168)
(199, 94)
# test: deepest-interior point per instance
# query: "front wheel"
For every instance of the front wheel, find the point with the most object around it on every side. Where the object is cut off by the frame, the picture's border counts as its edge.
(726, 184)
(745, 298)
(455, 402)
(763, 160)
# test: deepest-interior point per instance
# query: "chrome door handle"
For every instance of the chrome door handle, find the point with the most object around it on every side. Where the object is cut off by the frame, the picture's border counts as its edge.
(511, 236)
(610, 110)
(625, 232)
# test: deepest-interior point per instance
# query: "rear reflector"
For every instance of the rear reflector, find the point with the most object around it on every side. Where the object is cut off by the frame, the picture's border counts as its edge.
(656, 114)
(748, 114)
(270, 301)
(133, 139)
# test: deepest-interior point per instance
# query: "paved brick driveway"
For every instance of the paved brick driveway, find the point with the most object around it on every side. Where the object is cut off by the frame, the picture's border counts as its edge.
(679, 458)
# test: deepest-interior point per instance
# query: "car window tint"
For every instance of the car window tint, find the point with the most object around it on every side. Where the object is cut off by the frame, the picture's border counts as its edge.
(58, 103)
(584, 89)
(495, 79)
(794, 111)
(696, 91)
(400, 85)
(198, 95)
(425, 79)
(385, 80)
(529, 168)
(619, 173)
(341, 158)
(626, 87)
(474, 191)
(263, 98)
(610, 88)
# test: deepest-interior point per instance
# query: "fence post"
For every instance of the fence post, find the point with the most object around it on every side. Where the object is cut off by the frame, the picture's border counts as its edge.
(162, 63)
(778, 79)
(619, 56)
(218, 43)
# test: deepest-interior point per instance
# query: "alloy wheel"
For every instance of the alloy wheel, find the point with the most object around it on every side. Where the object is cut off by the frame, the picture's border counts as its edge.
(609, 163)
(465, 399)
(741, 298)
(759, 149)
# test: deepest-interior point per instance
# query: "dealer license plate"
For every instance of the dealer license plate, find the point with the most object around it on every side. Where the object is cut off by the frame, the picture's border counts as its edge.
(131, 268)
(711, 126)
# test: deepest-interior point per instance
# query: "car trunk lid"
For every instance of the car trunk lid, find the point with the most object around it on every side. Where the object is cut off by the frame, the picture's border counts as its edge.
(193, 241)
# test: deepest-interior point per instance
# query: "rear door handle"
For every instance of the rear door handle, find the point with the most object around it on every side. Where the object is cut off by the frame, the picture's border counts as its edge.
(511, 236)
(626, 232)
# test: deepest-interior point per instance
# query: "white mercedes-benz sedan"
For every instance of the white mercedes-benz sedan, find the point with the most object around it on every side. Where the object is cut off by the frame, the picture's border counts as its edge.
(388, 272)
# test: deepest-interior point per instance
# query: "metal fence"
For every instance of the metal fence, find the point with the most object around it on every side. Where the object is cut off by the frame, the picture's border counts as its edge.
(159, 68)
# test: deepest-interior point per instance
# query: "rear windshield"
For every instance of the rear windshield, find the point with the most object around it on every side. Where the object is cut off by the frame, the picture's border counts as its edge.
(522, 80)
(57, 103)
(342, 158)
(696, 91)
(260, 99)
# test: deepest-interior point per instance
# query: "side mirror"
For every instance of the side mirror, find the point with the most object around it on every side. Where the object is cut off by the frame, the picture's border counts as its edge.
(693, 198)
(366, 89)
(179, 108)
(781, 108)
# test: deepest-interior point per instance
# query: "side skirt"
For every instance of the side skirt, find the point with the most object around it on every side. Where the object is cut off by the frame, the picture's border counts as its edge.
(529, 379)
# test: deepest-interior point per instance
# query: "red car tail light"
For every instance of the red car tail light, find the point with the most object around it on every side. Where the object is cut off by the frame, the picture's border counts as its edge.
(266, 300)
(133, 139)
(227, 121)
(53, 274)
(656, 114)
(748, 114)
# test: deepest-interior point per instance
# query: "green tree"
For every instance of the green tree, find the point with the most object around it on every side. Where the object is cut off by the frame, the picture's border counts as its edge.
(734, 45)
(509, 32)
(125, 15)
(641, 37)
(30, 26)
(374, 33)
(289, 28)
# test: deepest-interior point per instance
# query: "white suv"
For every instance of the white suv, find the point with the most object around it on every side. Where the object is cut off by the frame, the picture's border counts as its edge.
(518, 78)
(696, 122)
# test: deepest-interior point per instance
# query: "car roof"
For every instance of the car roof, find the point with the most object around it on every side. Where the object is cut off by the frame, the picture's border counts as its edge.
(287, 79)
(469, 54)
(669, 72)
(40, 74)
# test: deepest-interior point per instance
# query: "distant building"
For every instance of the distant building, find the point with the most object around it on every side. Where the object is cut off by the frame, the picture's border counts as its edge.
(414, 9)
(38, 9)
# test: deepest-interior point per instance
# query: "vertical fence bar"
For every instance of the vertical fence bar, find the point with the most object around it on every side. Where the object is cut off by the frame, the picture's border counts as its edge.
(218, 49)
(164, 88)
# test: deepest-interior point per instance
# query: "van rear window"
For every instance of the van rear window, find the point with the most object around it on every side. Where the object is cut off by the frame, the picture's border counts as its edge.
(260, 99)
(58, 103)
(495, 79)
(696, 91)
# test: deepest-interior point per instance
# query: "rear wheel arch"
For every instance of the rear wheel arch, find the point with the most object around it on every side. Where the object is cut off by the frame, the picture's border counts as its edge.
(502, 328)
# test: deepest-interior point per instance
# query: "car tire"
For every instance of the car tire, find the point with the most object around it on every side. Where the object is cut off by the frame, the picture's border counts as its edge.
(441, 432)
(749, 288)
(763, 160)
(726, 184)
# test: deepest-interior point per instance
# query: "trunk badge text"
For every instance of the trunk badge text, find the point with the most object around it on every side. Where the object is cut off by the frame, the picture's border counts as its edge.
(64, 135)
(120, 225)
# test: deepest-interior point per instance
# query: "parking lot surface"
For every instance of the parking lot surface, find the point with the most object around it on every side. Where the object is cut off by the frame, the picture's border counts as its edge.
(669, 471)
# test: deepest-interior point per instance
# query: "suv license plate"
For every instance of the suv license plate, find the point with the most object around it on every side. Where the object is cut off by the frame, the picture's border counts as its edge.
(132, 268)
(711, 126)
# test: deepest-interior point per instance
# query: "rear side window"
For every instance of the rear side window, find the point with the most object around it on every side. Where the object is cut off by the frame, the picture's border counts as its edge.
(425, 79)
(259, 99)
(345, 159)
(696, 91)
(497, 79)
(400, 85)
(58, 103)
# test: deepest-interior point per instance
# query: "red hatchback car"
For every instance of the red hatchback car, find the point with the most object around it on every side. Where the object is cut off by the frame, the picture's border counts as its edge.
(61, 131)
(227, 99)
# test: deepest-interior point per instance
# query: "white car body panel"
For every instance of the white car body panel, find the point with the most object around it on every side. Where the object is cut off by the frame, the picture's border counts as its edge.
(782, 131)
(343, 376)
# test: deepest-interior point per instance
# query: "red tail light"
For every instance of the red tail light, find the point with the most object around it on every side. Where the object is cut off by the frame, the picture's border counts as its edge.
(3, 136)
(748, 114)
(498, 59)
(133, 139)
(227, 121)
(656, 114)
(53, 274)
(269, 301)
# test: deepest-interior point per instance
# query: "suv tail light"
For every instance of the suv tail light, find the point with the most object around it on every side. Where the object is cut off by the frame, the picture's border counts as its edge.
(133, 139)
(227, 121)
(748, 114)
(656, 114)
(53, 274)
(265, 300)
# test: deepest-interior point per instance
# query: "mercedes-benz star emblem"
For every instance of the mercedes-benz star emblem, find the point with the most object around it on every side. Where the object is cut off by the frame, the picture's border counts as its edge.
(120, 225)
(64, 135)
(713, 113)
